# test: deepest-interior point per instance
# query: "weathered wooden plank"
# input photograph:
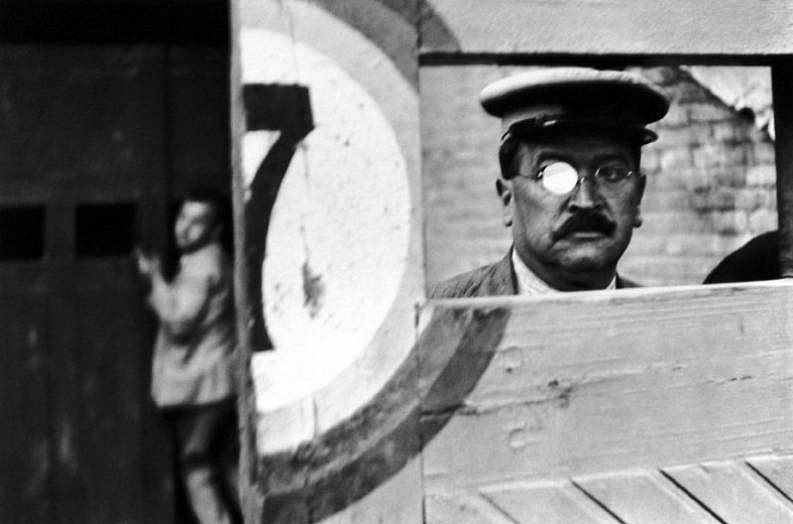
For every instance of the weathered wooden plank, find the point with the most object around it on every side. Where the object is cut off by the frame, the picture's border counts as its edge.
(111, 392)
(471, 508)
(782, 90)
(154, 178)
(26, 461)
(550, 502)
(338, 467)
(672, 27)
(777, 470)
(644, 496)
(112, 103)
(734, 492)
(198, 118)
(595, 382)
(250, 496)
(398, 499)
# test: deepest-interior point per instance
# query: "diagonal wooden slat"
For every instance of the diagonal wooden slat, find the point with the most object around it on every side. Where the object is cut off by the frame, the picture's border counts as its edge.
(469, 508)
(547, 503)
(644, 496)
(734, 492)
(777, 470)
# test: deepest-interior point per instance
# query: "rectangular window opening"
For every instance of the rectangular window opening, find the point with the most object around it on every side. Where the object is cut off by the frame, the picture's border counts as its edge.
(103, 230)
(22, 232)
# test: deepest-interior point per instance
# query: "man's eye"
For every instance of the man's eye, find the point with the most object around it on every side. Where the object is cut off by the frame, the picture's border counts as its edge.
(613, 173)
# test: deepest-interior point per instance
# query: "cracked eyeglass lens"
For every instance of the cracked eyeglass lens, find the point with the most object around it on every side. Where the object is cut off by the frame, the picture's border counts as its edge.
(559, 178)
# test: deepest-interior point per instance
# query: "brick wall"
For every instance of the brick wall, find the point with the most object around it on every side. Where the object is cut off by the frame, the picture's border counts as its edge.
(710, 179)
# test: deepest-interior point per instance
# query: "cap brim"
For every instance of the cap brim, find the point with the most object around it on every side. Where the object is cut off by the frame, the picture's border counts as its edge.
(535, 128)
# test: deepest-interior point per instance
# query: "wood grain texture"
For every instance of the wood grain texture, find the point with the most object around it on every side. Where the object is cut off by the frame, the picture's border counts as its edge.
(711, 27)
(728, 491)
(347, 463)
(251, 502)
(442, 509)
(734, 492)
(549, 502)
(26, 494)
(100, 420)
(776, 470)
(644, 496)
(399, 499)
(595, 382)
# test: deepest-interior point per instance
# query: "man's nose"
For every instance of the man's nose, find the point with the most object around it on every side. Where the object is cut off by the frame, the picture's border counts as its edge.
(586, 194)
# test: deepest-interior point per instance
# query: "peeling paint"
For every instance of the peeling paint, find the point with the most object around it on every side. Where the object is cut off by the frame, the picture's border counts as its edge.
(561, 392)
(313, 290)
(517, 438)
(511, 359)
(338, 239)
(741, 88)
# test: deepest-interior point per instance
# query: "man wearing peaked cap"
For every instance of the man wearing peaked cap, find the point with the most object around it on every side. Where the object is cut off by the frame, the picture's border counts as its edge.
(570, 184)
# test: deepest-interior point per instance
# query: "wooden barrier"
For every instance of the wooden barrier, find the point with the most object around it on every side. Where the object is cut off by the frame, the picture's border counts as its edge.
(621, 399)
(661, 405)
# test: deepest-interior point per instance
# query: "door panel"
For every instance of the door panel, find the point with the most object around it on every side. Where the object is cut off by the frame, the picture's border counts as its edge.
(93, 137)
(25, 462)
(83, 129)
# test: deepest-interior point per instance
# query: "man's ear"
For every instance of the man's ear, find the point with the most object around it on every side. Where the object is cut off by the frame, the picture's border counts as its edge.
(642, 182)
(504, 191)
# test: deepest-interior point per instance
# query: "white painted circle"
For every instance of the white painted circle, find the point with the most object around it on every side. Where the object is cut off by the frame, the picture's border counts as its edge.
(339, 234)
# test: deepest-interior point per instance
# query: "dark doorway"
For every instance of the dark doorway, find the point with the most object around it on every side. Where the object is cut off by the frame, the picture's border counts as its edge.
(108, 111)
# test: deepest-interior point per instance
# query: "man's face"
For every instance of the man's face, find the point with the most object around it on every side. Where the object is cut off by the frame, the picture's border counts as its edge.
(569, 237)
(195, 226)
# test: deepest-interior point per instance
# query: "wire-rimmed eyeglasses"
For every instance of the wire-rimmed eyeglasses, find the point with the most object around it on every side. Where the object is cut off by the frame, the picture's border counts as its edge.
(561, 178)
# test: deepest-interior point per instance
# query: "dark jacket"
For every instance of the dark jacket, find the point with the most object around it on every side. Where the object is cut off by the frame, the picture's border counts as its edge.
(492, 280)
(758, 259)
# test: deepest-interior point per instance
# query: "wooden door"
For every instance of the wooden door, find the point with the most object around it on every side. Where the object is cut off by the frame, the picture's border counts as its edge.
(82, 174)
(95, 143)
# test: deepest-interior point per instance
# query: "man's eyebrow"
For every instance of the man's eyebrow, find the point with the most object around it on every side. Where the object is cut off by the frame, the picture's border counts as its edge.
(553, 154)
(613, 156)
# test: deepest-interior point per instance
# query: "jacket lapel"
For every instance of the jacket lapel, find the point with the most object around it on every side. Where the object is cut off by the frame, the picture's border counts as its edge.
(501, 279)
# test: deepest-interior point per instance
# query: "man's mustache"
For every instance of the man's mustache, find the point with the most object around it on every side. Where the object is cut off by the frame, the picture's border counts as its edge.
(586, 221)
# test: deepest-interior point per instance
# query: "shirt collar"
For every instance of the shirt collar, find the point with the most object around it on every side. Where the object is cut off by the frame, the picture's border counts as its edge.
(530, 284)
